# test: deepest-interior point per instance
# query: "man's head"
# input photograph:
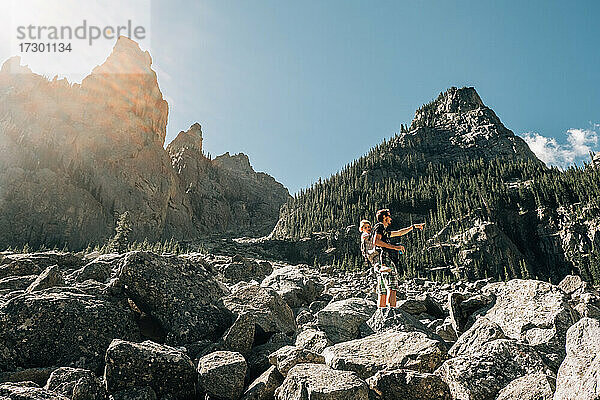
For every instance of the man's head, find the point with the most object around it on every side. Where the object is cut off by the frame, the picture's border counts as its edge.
(365, 226)
(384, 216)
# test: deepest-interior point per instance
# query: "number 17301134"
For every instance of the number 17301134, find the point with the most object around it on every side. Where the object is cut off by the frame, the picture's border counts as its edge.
(41, 47)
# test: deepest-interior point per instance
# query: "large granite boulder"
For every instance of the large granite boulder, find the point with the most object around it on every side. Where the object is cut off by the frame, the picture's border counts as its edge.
(481, 375)
(317, 381)
(313, 340)
(24, 391)
(165, 369)
(535, 312)
(288, 356)
(180, 294)
(387, 350)
(408, 385)
(299, 286)
(243, 269)
(482, 332)
(578, 377)
(395, 318)
(76, 384)
(341, 320)
(270, 312)
(535, 386)
(221, 375)
(66, 327)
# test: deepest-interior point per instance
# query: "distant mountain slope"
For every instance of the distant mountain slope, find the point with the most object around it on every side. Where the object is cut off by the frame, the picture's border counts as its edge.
(491, 207)
(75, 156)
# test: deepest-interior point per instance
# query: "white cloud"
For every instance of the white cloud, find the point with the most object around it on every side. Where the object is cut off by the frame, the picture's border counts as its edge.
(579, 143)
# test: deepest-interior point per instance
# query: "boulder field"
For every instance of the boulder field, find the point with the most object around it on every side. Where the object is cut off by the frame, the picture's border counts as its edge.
(145, 326)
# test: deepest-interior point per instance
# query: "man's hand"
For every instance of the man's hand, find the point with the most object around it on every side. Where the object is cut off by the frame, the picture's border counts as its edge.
(399, 248)
(419, 226)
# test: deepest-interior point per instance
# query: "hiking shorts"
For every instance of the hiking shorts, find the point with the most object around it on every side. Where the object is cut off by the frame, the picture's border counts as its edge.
(390, 279)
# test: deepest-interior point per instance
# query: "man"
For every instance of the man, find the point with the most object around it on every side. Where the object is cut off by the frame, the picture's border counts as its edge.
(389, 252)
(372, 256)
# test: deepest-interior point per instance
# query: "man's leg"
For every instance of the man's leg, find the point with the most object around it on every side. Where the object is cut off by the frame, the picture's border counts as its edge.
(392, 286)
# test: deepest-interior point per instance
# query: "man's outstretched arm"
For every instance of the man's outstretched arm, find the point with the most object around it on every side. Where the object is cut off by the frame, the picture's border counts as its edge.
(404, 231)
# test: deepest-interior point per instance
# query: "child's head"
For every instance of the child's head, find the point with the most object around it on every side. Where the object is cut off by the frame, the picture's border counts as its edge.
(365, 226)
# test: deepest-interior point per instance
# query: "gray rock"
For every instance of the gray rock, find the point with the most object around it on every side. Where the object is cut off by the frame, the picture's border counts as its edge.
(50, 277)
(395, 318)
(408, 385)
(23, 391)
(482, 332)
(135, 393)
(263, 388)
(579, 374)
(313, 340)
(67, 328)
(167, 370)
(304, 317)
(535, 312)
(242, 269)
(240, 336)
(17, 282)
(481, 375)
(221, 374)
(297, 285)
(181, 295)
(341, 320)
(270, 312)
(572, 284)
(76, 384)
(422, 304)
(317, 381)
(387, 350)
(38, 375)
(536, 386)
(288, 356)
(34, 263)
(99, 269)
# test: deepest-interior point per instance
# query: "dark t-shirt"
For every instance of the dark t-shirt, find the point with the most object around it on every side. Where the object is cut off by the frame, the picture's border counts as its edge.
(380, 229)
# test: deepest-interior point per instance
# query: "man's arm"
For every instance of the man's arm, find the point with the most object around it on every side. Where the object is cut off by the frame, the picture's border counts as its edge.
(404, 231)
(380, 243)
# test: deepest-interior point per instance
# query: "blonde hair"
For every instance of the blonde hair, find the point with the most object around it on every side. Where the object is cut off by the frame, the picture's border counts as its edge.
(363, 223)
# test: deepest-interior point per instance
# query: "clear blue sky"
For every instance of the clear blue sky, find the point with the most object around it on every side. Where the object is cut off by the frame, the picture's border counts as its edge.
(303, 87)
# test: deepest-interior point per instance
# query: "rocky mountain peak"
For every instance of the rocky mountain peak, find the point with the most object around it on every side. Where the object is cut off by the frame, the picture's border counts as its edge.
(237, 162)
(458, 125)
(190, 139)
(126, 58)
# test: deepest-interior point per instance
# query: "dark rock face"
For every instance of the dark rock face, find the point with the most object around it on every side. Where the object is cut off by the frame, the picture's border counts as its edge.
(166, 370)
(50, 277)
(225, 194)
(181, 295)
(69, 157)
(66, 328)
